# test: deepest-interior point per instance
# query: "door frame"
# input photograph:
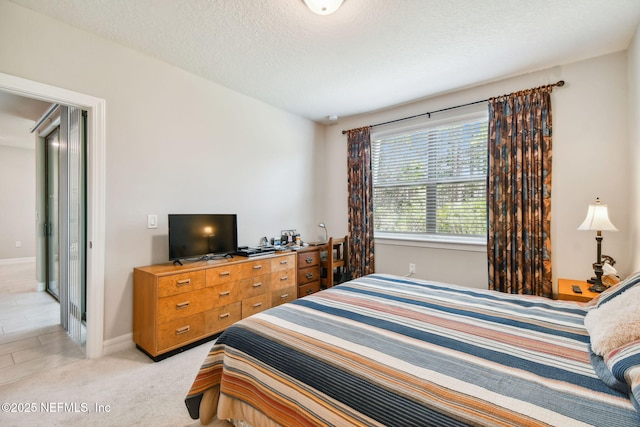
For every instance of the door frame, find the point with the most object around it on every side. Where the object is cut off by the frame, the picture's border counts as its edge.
(95, 239)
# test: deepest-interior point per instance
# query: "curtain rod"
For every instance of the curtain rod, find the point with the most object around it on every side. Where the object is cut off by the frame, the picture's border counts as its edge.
(559, 84)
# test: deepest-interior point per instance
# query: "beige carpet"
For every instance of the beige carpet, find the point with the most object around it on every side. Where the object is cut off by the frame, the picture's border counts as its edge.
(121, 389)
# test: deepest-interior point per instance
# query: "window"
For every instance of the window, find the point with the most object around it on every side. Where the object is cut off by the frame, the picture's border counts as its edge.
(430, 181)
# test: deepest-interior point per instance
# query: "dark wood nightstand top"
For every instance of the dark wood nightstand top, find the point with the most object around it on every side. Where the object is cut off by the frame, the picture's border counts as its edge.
(565, 290)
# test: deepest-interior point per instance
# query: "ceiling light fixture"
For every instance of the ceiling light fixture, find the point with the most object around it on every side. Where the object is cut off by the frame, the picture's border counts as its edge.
(323, 7)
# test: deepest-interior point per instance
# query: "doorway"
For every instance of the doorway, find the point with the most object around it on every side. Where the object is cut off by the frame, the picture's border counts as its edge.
(33, 338)
(95, 221)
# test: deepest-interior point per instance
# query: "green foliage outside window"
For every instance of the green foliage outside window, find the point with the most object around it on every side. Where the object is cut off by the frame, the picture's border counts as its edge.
(432, 180)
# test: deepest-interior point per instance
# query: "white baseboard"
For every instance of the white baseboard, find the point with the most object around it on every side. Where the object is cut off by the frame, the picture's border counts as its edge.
(123, 342)
(17, 260)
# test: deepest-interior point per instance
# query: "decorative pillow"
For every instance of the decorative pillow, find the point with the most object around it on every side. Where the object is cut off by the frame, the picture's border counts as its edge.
(624, 364)
(614, 324)
(615, 290)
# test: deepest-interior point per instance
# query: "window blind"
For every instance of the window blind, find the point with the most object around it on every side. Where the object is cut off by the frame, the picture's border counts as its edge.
(432, 180)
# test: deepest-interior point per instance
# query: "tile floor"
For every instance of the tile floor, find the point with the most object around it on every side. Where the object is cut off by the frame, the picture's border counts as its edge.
(31, 338)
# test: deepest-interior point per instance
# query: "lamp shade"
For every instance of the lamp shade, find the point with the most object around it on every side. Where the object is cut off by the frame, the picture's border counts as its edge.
(323, 7)
(597, 219)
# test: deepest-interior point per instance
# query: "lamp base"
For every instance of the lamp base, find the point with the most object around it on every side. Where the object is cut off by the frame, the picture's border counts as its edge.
(596, 282)
(596, 285)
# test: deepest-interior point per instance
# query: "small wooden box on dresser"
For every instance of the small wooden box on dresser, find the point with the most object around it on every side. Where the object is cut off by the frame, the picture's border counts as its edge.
(178, 306)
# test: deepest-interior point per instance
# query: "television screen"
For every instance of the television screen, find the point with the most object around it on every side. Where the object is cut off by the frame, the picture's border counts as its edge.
(196, 235)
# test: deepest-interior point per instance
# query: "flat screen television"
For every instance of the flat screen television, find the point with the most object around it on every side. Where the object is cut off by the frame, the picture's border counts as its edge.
(199, 235)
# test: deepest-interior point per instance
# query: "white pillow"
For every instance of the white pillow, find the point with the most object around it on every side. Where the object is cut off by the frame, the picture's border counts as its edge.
(616, 323)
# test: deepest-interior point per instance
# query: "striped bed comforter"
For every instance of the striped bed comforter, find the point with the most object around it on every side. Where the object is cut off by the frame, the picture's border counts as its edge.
(390, 351)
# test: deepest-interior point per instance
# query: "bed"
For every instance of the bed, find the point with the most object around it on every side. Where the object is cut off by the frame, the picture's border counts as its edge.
(384, 350)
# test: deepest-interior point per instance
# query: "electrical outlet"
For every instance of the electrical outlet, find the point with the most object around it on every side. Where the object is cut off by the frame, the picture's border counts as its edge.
(18, 244)
(412, 268)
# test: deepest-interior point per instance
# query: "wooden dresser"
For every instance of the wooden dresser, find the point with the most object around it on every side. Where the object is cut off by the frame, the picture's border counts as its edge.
(308, 270)
(174, 306)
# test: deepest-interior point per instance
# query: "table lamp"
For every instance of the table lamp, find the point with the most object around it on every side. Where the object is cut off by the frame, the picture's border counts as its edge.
(326, 234)
(597, 220)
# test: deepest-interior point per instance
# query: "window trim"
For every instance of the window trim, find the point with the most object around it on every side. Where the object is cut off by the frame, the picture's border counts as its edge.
(469, 115)
(468, 243)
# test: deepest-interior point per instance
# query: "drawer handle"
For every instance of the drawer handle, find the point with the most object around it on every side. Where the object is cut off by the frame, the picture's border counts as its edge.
(183, 282)
(309, 260)
(285, 262)
(284, 296)
(225, 274)
(309, 291)
(257, 267)
(183, 330)
(182, 305)
(309, 275)
(257, 285)
(224, 316)
(225, 293)
(283, 278)
(256, 305)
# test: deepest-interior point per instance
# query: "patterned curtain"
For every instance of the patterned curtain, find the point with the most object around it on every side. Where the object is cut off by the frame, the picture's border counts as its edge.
(519, 192)
(360, 203)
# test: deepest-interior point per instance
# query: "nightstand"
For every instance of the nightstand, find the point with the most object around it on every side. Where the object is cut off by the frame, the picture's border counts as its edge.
(565, 290)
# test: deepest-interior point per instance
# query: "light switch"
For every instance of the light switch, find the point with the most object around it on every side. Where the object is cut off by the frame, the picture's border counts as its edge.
(152, 221)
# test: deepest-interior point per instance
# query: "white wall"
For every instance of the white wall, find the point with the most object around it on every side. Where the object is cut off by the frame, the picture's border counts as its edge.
(590, 152)
(634, 149)
(17, 200)
(176, 143)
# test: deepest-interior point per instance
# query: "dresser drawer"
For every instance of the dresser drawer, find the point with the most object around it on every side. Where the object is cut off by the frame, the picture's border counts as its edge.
(255, 304)
(256, 268)
(308, 289)
(283, 279)
(182, 305)
(253, 286)
(283, 263)
(309, 274)
(308, 259)
(283, 295)
(180, 331)
(223, 274)
(225, 294)
(221, 318)
(180, 283)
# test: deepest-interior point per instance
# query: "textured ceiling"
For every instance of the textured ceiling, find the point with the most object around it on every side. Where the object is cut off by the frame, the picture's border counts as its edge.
(369, 55)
